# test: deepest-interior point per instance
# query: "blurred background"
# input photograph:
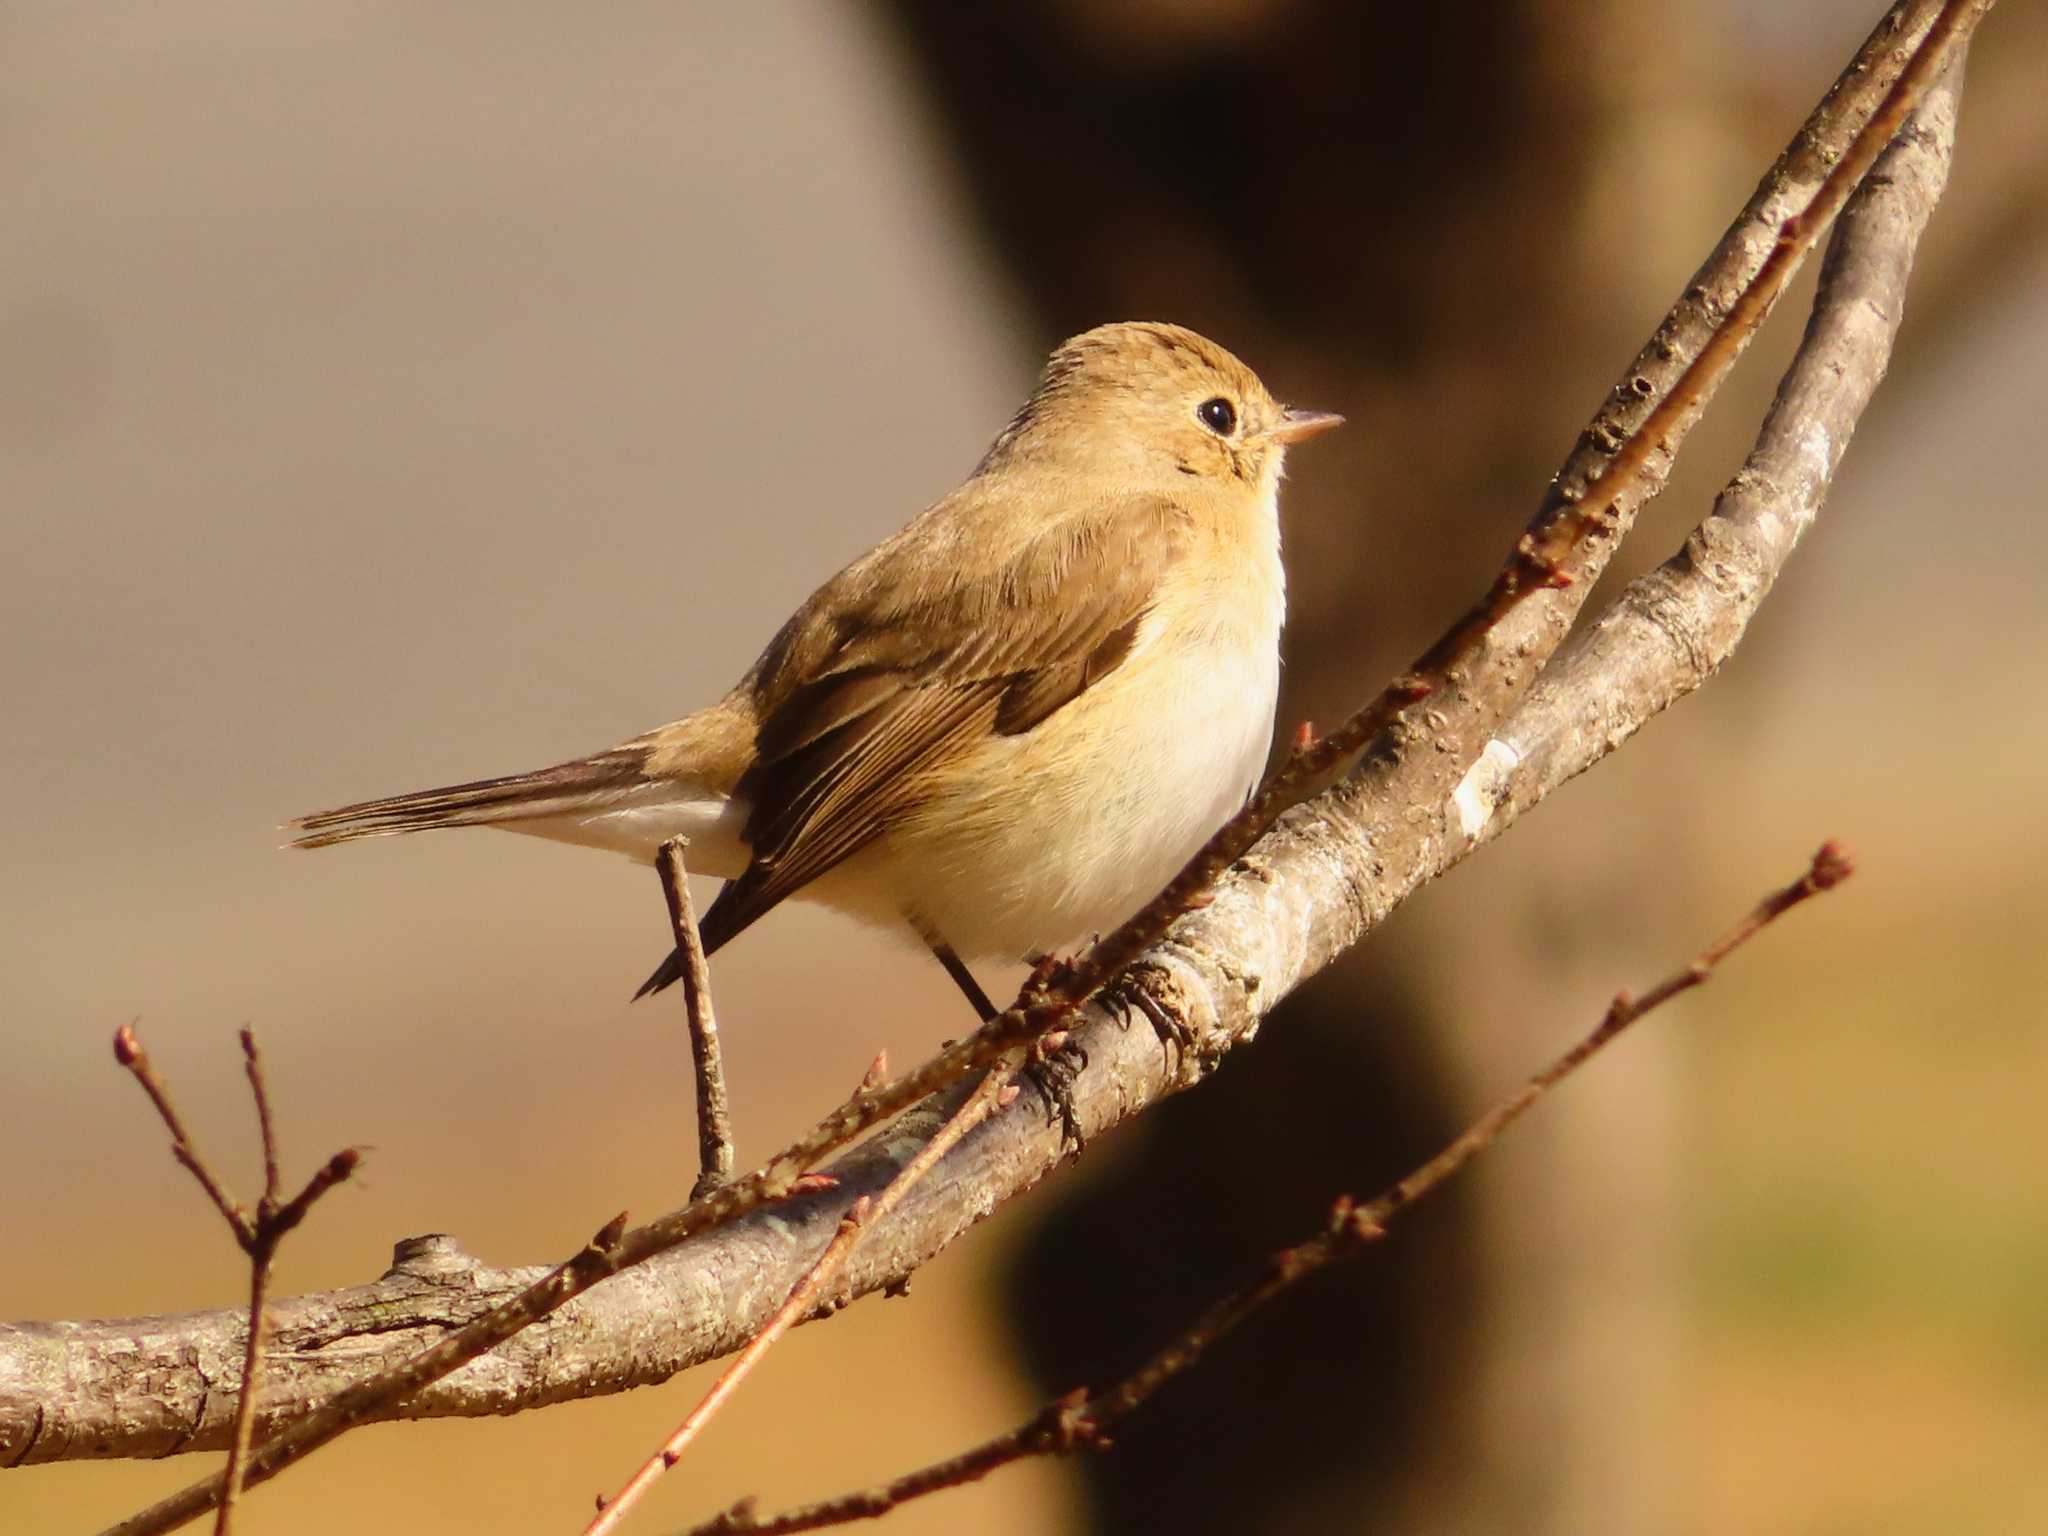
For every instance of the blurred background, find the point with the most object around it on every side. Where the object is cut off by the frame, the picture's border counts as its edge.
(395, 395)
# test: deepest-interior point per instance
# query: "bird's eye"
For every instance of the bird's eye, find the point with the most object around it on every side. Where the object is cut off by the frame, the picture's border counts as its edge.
(1218, 415)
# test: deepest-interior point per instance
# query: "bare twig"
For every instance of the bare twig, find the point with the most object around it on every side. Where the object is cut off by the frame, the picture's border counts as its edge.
(803, 1296)
(259, 1241)
(1319, 882)
(129, 1053)
(257, 1236)
(714, 1123)
(1082, 1420)
(266, 1124)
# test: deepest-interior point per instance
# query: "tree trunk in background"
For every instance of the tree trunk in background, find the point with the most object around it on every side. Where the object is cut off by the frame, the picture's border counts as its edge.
(1408, 214)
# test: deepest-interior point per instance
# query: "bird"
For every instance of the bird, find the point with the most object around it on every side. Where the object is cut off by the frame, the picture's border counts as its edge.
(1008, 725)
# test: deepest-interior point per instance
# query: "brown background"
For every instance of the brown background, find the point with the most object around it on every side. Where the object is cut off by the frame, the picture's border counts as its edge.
(392, 395)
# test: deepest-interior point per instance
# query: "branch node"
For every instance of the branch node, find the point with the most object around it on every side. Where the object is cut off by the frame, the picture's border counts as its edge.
(1832, 864)
(610, 1236)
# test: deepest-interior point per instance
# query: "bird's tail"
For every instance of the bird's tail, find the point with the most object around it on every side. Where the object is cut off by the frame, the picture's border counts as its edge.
(666, 974)
(587, 784)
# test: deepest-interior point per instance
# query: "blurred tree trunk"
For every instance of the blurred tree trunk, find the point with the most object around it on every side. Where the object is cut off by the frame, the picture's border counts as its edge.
(1408, 214)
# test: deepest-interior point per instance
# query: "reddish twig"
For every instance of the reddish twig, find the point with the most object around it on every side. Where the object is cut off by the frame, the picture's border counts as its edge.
(129, 1053)
(714, 1122)
(611, 1511)
(266, 1124)
(1081, 1420)
(799, 1303)
(257, 1235)
(803, 1297)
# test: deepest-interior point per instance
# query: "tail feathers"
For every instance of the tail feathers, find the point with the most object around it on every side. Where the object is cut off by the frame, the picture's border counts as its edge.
(713, 930)
(667, 974)
(520, 797)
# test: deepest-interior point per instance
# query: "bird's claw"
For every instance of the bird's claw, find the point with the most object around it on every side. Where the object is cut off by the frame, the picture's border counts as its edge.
(1055, 1064)
(1129, 993)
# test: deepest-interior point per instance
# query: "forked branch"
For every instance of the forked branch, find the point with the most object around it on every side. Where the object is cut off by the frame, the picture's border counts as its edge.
(257, 1233)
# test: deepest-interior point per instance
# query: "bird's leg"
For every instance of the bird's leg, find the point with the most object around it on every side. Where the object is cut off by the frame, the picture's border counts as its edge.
(714, 1124)
(1054, 1062)
(956, 968)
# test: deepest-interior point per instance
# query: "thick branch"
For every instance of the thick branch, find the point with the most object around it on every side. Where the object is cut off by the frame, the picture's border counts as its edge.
(995, 1089)
(1084, 1419)
(1324, 877)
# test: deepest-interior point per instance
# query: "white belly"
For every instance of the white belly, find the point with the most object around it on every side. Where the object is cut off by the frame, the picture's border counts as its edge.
(1069, 829)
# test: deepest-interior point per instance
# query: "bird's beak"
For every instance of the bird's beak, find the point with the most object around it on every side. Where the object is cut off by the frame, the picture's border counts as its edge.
(1299, 426)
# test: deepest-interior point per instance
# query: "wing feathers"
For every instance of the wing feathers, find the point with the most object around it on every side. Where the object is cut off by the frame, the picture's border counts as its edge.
(861, 706)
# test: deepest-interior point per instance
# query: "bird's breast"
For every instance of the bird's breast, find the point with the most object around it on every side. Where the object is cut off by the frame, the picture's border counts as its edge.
(1038, 839)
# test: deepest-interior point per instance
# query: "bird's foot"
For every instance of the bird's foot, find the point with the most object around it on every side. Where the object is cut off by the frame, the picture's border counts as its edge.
(1132, 992)
(1054, 1064)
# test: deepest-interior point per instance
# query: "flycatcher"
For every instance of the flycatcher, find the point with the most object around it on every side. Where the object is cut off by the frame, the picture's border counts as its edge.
(1008, 725)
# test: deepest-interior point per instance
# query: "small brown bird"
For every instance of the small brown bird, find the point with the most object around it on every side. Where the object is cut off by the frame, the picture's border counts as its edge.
(1008, 725)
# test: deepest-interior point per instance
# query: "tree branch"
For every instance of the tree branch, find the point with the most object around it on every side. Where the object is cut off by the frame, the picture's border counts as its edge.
(1081, 1420)
(1327, 873)
(993, 1089)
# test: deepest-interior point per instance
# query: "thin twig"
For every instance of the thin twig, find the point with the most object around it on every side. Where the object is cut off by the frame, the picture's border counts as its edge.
(252, 1064)
(233, 1474)
(714, 1122)
(261, 1247)
(864, 1214)
(611, 1511)
(1826, 135)
(1082, 1420)
(258, 1236)
(129, 1053)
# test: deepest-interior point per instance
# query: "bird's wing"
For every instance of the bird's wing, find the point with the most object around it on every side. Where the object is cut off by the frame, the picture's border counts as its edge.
(860, 703)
